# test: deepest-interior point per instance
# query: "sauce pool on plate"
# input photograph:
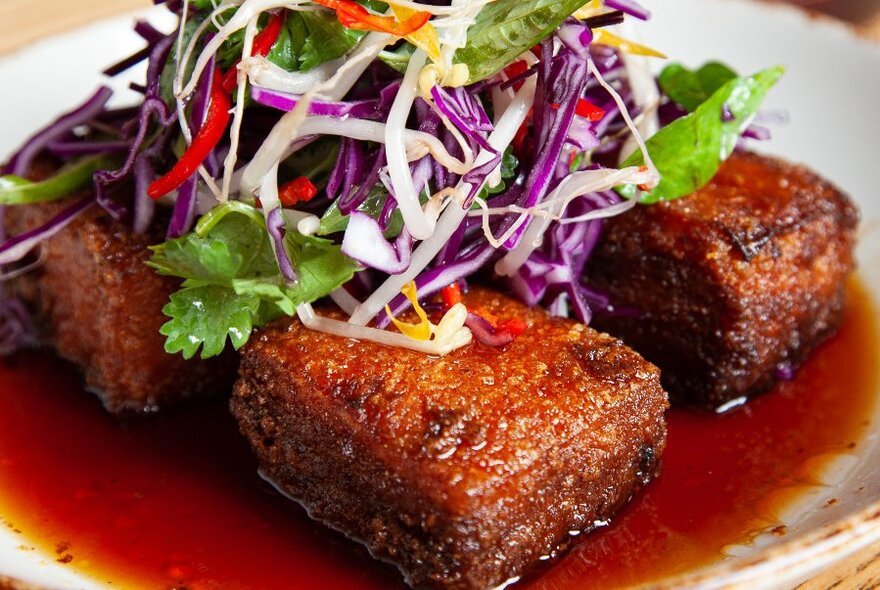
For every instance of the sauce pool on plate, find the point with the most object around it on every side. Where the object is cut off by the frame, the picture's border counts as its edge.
(174, 500)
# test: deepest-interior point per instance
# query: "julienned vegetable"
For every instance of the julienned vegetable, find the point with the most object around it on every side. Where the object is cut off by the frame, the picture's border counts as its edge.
(380, 154)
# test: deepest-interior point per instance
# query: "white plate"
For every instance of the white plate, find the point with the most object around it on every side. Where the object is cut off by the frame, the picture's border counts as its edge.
(830, 92)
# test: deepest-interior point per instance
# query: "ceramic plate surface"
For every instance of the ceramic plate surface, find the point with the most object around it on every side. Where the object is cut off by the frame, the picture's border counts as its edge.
(830, 93)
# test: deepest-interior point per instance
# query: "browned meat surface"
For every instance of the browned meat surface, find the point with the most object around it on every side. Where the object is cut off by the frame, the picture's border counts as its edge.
(100, 306)
(465, 469)
(742, 277)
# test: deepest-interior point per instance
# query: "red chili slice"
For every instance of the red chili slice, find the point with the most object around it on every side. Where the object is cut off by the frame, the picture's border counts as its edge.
(354, 16)
(299, 189)
(263, 43)
(216, 121)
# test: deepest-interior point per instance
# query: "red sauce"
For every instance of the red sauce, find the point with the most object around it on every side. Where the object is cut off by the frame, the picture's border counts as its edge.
(174, 500)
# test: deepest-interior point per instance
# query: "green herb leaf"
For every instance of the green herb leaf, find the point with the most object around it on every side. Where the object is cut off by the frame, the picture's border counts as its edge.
(18, 191)
(169, 71)
(691, 88)
(689, 151)
(506, 28)
(205, 316)
(285, 52)
(509, 166)
(326, 39)
(397, 59)
(333, 221)
(231, 279)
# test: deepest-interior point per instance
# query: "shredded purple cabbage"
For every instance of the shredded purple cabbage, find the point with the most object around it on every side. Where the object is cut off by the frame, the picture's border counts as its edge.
(630, 7)
(365, 242)
(16, 329)
(275, 225)
(17, 247)
(20, 162)
(146, 137)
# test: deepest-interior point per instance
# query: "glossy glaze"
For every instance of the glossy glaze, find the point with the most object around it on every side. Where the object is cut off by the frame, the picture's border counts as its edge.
(175, 500)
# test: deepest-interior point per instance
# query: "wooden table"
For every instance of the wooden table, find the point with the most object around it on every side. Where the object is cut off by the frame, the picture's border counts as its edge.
(24, 21)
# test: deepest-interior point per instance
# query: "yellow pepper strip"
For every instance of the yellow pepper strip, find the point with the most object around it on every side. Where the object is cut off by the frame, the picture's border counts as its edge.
(603, 37)
(591, 8)
(420, 331)
(425, 38)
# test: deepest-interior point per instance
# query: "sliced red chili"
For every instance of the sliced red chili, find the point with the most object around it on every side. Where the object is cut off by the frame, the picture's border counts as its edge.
(297, 190)
(585, 109)
(451, 295)
(263, 43)
(354, 16)
(514, 70)
(589, 111)
(216, 121)
(513, 326)
(522, 135)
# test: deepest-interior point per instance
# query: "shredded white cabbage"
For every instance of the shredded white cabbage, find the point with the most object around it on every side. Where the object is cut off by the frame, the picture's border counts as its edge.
(450, 335)
(435, 222)
(499, 139)
(624, 112)
(238, 112)
(553, 209)
(417, 144)
(420, 226)
(263, 73)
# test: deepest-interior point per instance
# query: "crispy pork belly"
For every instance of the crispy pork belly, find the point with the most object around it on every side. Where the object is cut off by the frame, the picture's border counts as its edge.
(462, 470)
(733, 283)
(98, 305)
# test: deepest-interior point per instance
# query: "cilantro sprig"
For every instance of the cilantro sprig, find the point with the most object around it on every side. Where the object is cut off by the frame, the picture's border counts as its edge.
(231, 279)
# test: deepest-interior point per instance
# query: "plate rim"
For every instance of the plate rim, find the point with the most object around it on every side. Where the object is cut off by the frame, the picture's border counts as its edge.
(819, 547)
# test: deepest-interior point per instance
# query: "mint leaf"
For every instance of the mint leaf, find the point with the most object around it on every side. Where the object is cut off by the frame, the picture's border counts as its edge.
(502, 31)
(506, 28)
(231, 279)
(691, 88)
(689, 151)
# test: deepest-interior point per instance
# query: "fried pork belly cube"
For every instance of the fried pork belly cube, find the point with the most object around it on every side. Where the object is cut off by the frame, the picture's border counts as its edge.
(98, 305)
(733, 285)
(464, 469)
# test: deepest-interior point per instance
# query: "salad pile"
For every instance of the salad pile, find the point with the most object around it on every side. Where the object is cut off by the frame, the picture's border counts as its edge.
(379, 154)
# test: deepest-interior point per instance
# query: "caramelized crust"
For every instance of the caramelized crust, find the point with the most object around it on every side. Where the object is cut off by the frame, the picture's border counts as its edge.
(732, 282)
(100, 306)
(465, 469)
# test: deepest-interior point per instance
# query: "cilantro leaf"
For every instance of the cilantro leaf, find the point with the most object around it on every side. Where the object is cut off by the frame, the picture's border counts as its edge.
(691, 88)
(204, 316)
(689, 151)
(231, 279)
